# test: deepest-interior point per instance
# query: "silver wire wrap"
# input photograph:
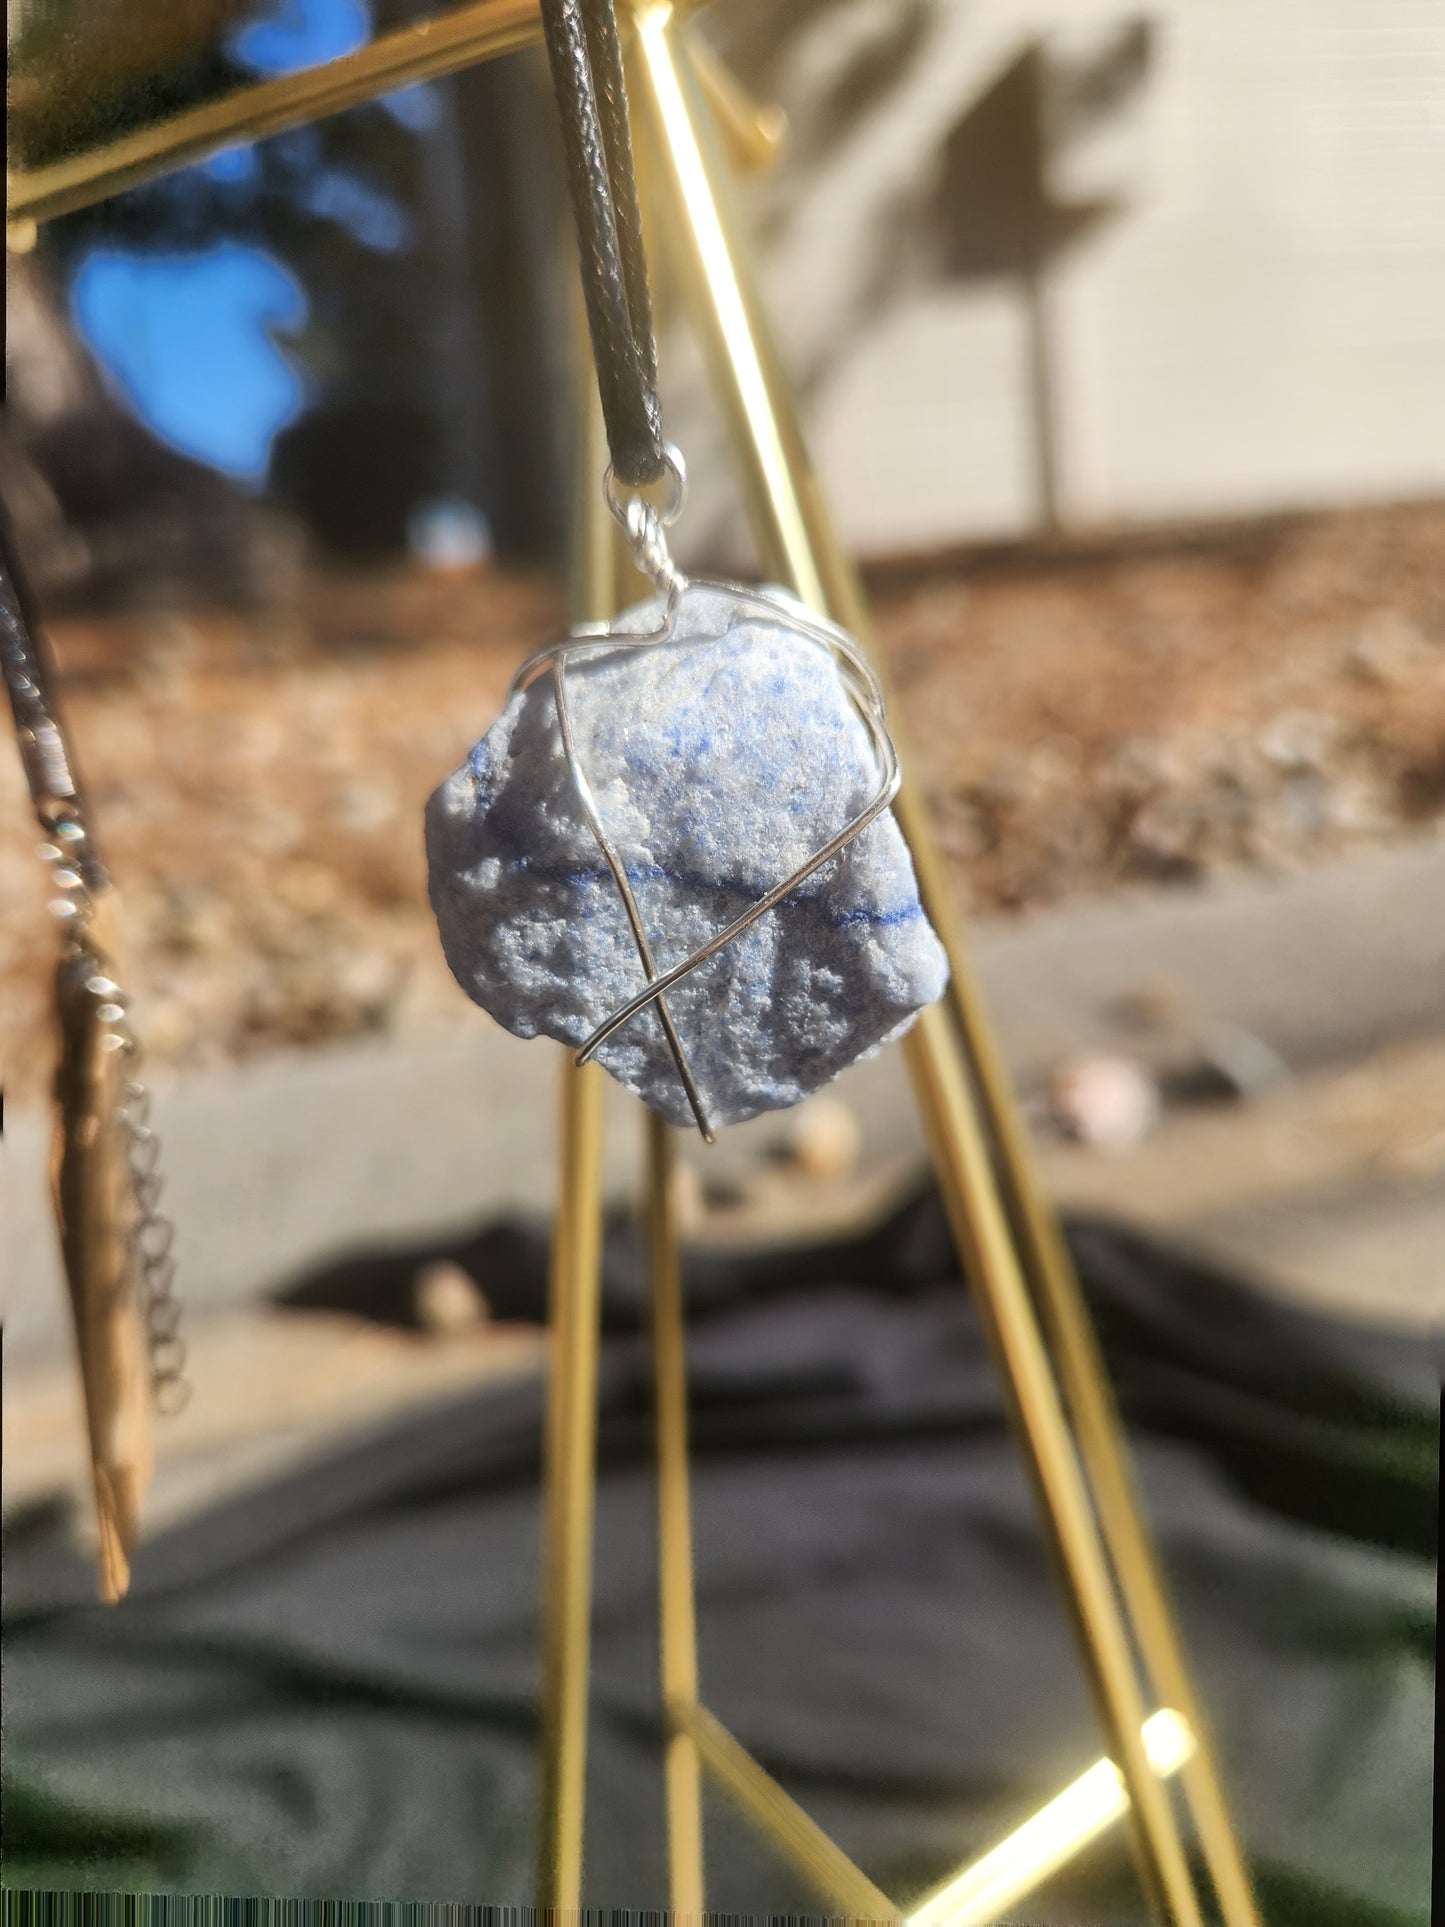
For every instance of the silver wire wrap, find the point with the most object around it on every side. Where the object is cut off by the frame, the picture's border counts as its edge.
(645, 527)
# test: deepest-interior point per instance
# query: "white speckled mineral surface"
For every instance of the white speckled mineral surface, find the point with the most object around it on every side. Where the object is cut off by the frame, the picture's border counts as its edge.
(718, 766)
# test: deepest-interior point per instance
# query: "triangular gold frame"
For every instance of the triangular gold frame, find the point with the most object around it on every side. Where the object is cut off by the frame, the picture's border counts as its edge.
(1014, 1258)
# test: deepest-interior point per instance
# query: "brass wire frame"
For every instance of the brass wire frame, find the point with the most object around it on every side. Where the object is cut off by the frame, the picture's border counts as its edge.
(424, 49)
(1013, 1253)
(573, 1331)
(1000, 1221)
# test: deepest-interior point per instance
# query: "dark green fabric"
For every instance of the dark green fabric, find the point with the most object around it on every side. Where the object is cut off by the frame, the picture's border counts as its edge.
(328, 1688)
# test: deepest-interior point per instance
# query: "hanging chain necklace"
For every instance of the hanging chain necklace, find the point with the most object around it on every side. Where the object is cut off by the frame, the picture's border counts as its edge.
(87, 969)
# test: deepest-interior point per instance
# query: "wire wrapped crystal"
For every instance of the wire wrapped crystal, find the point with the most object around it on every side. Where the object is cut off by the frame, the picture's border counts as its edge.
(673, 851)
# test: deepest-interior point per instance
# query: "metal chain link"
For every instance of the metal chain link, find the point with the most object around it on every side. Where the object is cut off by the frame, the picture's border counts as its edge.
(77, 873)
(150, 1234)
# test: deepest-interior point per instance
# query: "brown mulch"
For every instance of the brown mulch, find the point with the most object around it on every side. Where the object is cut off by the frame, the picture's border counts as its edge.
(1149, 710)
(1085, 717)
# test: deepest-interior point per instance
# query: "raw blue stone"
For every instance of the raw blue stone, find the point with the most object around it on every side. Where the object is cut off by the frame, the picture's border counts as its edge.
(717, 767)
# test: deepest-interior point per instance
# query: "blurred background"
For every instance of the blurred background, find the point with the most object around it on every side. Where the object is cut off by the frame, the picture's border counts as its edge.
(1120, 339)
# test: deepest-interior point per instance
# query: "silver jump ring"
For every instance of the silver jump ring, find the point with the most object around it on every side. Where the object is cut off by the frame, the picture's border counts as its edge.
(674, 467)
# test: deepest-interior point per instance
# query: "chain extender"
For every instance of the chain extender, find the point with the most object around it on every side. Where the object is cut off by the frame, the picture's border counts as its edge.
(76, 874)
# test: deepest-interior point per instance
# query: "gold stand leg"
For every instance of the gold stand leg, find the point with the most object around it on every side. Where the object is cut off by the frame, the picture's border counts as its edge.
(570, 1469)
(990, 1887)
(1075, 1352)
(1059, 1305)
(795, 539)
(571, 1438)
(795, 1833)
(676, 1614)
(961, 1159)
(694, 1736)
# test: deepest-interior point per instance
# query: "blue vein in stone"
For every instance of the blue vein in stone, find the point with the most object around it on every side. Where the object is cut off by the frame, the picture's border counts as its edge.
(520, 860)
(698, 883)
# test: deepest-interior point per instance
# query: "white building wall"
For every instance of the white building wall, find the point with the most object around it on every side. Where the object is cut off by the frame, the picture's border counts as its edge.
(1260, 325)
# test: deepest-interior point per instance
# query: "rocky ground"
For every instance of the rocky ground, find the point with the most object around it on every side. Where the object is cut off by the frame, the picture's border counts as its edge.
(1088, 717)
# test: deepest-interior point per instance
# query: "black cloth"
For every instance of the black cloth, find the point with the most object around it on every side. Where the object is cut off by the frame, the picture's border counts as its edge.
(328, 1687)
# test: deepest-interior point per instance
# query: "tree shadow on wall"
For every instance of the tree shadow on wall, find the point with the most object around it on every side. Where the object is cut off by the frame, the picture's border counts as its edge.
(988, 203)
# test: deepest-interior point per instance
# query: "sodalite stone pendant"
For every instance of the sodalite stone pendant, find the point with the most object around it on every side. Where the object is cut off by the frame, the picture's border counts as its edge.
(718, 758)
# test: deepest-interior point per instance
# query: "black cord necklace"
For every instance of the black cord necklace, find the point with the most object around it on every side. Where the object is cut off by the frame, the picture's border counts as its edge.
(587, 76)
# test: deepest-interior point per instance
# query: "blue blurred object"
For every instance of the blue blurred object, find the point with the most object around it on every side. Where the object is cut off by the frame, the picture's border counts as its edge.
(233, 164)
(300, 33)
(415, 108)
(369, 217)
(187, 339)
(447, 532)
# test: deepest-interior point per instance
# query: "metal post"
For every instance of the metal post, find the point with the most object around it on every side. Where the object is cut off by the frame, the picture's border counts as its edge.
(793, 534)
(1074, 1350)
(571, 1429)
(981, 1231)
(677, 1618)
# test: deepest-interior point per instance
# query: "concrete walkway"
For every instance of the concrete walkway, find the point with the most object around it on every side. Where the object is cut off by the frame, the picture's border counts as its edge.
(276, 1166)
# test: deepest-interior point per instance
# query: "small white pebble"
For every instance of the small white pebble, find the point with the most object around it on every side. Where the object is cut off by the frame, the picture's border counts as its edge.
(1108, 1103)
(448, 1299)
(825, 1138)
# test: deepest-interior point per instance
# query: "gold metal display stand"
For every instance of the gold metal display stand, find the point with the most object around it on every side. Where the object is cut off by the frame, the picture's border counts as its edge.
(1011, 1250)
(1013, 1255)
